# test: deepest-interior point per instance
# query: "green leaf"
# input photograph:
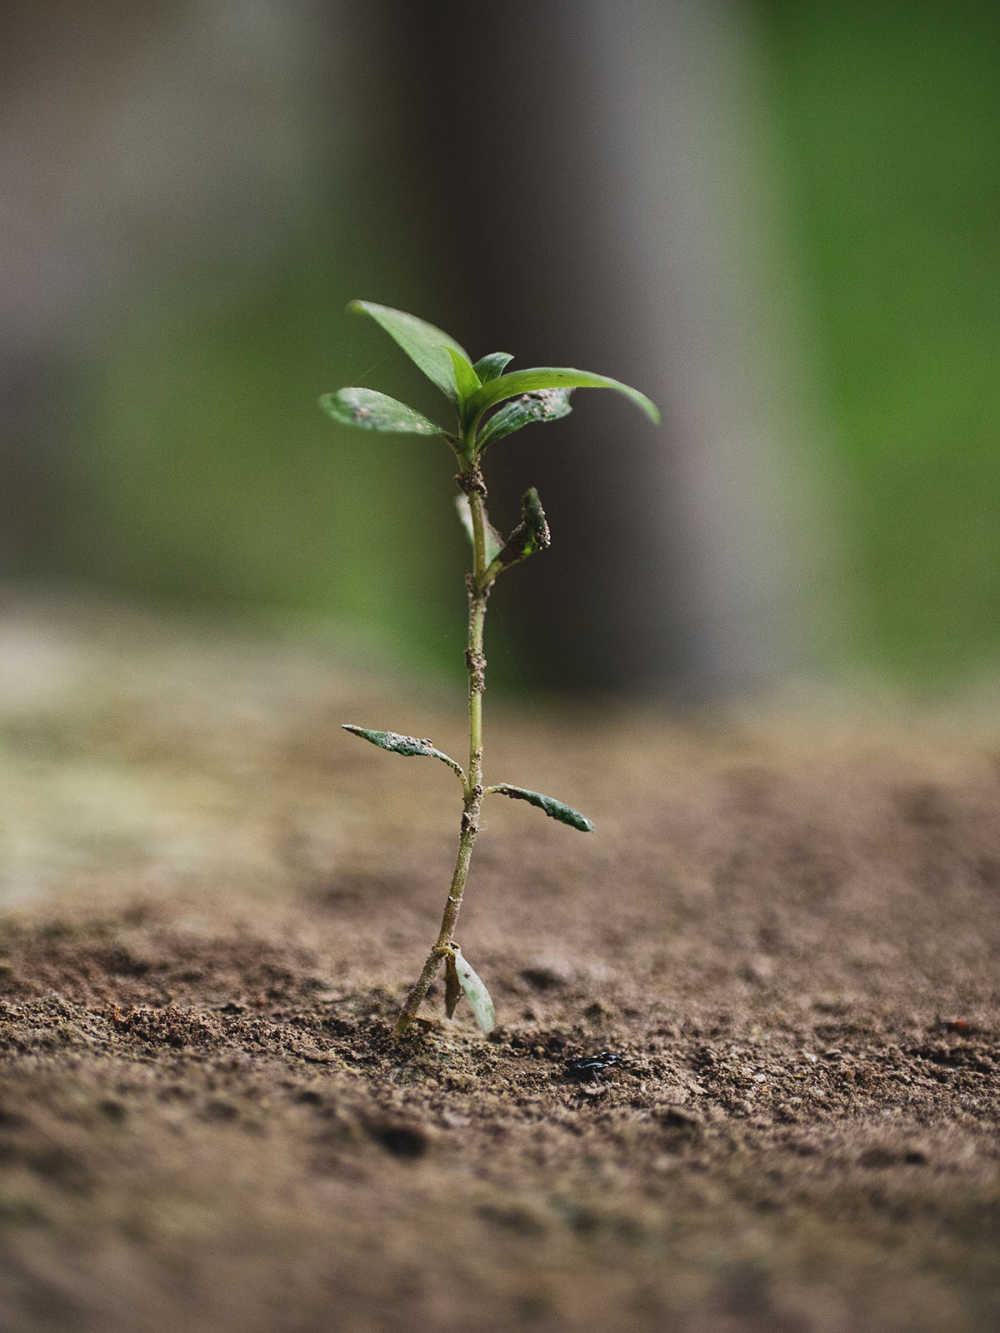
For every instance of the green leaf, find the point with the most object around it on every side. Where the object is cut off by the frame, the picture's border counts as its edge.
(406, 745)
(368, 409)
(493, 366)
(475, 992)
(553, 808)
(426, 346)
(466, 379)
(554, 377)
(531, 534)
(452, 986)
(543, 405)
(494, 542)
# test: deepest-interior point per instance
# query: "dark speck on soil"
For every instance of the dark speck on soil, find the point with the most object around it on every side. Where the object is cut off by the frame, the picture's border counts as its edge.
(589, 1068)
(406, 1141)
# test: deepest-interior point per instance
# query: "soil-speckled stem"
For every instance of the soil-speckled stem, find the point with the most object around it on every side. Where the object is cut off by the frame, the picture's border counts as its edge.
(475, 662)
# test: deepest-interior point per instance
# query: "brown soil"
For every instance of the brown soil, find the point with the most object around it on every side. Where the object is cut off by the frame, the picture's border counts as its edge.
(216, 899)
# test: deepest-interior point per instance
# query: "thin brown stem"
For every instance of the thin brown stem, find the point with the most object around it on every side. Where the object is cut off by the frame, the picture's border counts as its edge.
(475, 663)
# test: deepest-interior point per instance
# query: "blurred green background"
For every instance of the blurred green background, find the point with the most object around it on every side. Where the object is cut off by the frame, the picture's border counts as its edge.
(186, 237)
(887, 115)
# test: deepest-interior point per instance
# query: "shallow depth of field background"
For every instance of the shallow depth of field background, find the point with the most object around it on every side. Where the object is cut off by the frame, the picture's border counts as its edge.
(779, 220)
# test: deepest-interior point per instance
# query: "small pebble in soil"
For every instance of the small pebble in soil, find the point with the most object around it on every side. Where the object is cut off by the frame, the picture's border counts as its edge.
(588, 1068)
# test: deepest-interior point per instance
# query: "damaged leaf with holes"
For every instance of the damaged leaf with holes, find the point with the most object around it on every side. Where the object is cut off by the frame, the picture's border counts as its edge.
(488, 403)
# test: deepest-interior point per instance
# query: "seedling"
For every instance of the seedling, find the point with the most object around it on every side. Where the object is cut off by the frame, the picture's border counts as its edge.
(489, 404)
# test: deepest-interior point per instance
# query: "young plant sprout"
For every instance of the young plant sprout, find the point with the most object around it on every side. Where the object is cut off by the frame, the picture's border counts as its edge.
(488, 404)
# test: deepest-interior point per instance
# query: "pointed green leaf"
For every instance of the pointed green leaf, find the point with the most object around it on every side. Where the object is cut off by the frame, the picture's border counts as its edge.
(425, 345)
(407, 745)
(493, 366)
(466, 379)
(452, 986)
(475, 992)
(368, 409)
(554, 377)
(543, 405)
(553, 808)
(494, 542)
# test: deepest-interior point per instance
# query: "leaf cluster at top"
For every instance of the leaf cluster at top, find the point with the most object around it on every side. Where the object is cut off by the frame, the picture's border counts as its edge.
(474, 390)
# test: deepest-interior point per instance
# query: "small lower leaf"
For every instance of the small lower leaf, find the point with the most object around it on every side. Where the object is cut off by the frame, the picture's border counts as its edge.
(553, 808)
(397, 743)
(475, 992)
(452, 986)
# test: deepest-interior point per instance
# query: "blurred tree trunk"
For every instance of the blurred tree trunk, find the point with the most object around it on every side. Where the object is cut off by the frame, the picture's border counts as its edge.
(583, 183)
(594, 171)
